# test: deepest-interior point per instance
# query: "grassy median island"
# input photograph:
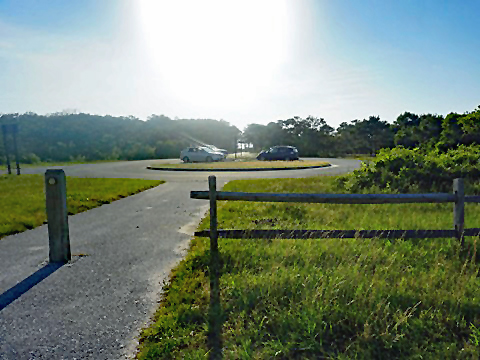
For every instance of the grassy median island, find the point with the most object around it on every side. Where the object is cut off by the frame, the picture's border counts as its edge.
(325, 299)
(249, 164)
(22, 198)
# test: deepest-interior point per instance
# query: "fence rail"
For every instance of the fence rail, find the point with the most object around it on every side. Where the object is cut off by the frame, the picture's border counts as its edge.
(337, 234)
(328, 234)
(332, 198)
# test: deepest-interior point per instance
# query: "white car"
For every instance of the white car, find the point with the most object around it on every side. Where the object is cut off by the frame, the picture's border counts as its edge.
(199, 154)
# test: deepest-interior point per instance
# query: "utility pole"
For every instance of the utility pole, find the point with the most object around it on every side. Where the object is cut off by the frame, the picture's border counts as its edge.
(236, 140)
(4, 131)
(13, 129)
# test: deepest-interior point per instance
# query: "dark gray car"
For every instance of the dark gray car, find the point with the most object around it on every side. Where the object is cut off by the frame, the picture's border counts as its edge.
(279, 153)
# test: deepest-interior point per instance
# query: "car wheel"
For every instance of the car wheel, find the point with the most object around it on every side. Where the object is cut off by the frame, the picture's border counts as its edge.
(209, 159)
(186, 159)
(288, 158)
(261, 158)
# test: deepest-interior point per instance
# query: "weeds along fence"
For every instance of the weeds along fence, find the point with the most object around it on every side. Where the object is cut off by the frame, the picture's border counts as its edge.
(457, 197)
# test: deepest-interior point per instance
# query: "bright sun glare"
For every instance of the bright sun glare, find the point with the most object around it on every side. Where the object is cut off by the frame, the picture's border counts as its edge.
(215, 52)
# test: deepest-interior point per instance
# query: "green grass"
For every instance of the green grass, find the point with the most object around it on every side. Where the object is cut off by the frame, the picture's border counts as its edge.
(57, 163)
(255, 164)
(325, 299)
(22, 198)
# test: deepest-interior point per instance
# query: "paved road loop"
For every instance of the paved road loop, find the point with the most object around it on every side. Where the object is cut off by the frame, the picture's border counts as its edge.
(95, 306)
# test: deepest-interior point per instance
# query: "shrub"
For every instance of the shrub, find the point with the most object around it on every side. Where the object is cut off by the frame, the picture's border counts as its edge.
(416, 170)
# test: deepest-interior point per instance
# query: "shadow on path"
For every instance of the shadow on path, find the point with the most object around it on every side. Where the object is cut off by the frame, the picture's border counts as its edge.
(22, 287)
(215, 313)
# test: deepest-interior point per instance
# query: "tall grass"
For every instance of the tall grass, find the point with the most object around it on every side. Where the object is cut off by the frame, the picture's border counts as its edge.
(22, 198)
(325, 299)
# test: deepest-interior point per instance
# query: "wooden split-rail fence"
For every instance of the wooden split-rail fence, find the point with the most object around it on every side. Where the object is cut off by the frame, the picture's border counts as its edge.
(457, 197)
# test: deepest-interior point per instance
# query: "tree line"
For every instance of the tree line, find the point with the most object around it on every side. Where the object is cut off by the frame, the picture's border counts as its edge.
(86, 137)
(314, 137)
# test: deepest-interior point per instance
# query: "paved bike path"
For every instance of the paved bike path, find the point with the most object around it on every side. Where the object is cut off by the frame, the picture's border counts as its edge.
(94, 307)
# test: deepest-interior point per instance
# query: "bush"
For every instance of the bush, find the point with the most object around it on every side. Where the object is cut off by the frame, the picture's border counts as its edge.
(416, 170)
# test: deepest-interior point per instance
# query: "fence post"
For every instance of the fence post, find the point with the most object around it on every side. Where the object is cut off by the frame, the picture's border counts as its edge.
(459, 209)
(212, 187)
(215, 322)
(57, 216)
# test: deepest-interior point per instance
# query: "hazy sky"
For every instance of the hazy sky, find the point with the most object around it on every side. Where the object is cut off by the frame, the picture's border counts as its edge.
(242, 61)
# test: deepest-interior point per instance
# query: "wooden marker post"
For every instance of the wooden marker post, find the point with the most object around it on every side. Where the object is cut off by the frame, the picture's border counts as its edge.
(57, 216)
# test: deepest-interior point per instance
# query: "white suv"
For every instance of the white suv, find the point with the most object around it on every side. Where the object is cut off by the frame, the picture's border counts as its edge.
(194, 154)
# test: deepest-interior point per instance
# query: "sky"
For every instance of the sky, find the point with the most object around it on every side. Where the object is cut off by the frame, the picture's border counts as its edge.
(249, 61)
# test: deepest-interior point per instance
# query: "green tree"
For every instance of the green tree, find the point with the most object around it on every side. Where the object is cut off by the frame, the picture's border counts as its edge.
(365, 136)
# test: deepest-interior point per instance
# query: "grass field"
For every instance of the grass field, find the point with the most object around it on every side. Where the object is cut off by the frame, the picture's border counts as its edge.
(242, 164)
(22, 198)
(325, 299)
(58, 163)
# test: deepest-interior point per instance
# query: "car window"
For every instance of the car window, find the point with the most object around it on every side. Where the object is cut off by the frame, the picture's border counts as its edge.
(274, 150)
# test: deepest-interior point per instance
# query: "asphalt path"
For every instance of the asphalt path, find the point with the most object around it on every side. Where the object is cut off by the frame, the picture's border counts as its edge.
(95, 306)
(138, 169)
